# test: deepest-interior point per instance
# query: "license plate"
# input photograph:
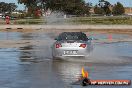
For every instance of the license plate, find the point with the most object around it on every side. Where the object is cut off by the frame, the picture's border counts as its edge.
(70, 52)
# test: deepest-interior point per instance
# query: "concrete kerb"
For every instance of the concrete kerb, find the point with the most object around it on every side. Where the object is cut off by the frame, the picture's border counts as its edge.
(71, 27)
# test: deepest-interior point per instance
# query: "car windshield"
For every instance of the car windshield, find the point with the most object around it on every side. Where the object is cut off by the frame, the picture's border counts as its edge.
(72, 36)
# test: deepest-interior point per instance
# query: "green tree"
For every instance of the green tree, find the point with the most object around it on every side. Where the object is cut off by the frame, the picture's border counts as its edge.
(98, 10)
(77, 7)
(11, 7)
(107, 11)
(32, 5)
(7, 7)
(118, 9)
(105, 6)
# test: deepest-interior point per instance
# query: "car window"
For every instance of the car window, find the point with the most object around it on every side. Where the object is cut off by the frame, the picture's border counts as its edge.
(73, 36)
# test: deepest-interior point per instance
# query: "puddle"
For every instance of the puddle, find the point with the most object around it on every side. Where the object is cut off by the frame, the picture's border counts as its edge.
(10, 35)
(31, 65)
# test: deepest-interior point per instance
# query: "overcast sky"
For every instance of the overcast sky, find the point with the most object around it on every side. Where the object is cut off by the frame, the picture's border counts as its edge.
(126, 3)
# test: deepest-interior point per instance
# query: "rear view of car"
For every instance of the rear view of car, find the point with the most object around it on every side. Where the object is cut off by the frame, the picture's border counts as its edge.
(71, 44)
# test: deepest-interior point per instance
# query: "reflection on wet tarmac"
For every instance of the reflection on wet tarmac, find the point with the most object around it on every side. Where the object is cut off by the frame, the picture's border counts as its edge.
(32, 66)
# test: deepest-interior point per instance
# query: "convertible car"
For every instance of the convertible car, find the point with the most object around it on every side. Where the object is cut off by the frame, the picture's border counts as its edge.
(72, 44)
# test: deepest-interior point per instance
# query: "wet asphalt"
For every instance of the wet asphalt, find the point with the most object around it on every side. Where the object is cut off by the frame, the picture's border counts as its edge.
(32, 66)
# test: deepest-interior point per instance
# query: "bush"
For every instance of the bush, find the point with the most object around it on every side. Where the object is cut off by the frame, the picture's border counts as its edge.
(118, 9)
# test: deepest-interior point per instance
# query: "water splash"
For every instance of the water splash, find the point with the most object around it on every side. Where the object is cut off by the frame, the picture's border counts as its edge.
(55, 17)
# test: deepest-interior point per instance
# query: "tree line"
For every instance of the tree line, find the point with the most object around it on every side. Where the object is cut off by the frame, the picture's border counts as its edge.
(108, 9)
(7, 7)
(72, 7)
